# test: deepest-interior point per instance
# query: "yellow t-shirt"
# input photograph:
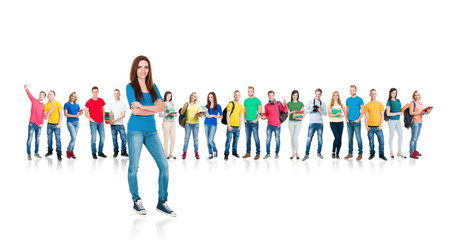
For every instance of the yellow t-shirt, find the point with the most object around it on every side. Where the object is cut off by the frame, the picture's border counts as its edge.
(191, 111)
(54, 115)
(234, 118)
(374, 109)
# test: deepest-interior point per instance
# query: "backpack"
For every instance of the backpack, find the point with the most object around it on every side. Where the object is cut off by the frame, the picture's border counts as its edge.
(182, 117)
(282, 115)
(224, 120)
(408, 119)
(386, 118)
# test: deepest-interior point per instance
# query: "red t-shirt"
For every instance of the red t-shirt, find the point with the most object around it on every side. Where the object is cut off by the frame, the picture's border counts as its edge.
(96, 109)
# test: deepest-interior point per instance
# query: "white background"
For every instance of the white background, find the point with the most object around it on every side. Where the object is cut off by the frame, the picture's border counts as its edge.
(216, 46)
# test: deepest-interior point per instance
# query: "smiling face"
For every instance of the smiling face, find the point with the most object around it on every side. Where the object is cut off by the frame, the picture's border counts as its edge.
(317, 95)
(168, 97)
(373, 95)
(72, 97)
(95, 93)
(41, 96)
(336, 96)
(117, 95)
(393, 94)
(237, 96)
(295, 97)
(50, 96)
(353, 91)
(250, 92)
(142, 70)
(271, 97)
(210, 98)
(416, 96)
(193, 97)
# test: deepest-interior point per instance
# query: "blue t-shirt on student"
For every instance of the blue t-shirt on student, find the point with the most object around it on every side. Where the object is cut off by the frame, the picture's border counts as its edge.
(213, 121)
(141, 123)
(354, 107)
(72, 109)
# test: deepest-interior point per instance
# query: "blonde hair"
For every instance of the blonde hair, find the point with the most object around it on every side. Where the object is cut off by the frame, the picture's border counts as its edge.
(413, 96)
(353, 86)
(76, 97)
(196, 99)
(332, 100)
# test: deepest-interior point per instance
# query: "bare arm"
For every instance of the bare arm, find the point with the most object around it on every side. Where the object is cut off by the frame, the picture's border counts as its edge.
(140, 112)
(366, 121)
(61, 116)
(381, 120)
(362, 111)
(346, 113)
(228, 113)
(87, 114)
(66, 114)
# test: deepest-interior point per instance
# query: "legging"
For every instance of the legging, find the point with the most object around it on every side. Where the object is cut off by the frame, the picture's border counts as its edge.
(337, 130)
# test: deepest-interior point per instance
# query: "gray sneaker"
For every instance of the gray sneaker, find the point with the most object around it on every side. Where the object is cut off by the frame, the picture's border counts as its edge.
(277, 156)
(305, 158)
(320, 156)
(266, 156)
(29, 157)
(37, 155)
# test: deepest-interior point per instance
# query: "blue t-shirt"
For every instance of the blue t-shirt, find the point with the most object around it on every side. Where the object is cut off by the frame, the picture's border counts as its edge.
(395, 108)
(354, 107)
(213, 121)
(141, 123)
(72, 109)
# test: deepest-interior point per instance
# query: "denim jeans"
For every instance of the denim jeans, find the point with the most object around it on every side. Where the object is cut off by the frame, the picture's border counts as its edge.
(51, 128)
(416, 131)
(73, 130)
(136, 139)
(380, 138)
(277, 134)
(354, 127)
(337, 130)
(115, 129)
(36, 130)
(235, 132)
(210, 135)
(94, 127)
(254, 128)
(314, 127)
(191, 127)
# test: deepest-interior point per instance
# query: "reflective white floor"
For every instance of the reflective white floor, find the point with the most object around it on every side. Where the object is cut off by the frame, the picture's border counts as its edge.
(239, 199)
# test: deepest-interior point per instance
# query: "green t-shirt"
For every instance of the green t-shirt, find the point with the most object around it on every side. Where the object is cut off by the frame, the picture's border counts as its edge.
(294, 106)
(252, 106)
(394, 108)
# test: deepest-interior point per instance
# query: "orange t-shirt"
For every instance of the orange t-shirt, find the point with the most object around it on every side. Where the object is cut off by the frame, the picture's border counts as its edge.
(416, 110)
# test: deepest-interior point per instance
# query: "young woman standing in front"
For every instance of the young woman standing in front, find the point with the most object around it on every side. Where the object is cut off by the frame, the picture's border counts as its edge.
(336, 114)
(210, 123)
(145, 101)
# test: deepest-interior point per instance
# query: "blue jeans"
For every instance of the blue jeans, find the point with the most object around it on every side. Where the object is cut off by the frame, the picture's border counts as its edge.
(229, 134)
(277, 134)
(337, 130)
(355, 127)
(136, 139)
(51, 128)
(210, 135)
(191, 127)
(33, 129)
(115, 129)
(73, 130)
(416, 131)
(94, 127)
(380, 138)
(254, 128)
(314, 127)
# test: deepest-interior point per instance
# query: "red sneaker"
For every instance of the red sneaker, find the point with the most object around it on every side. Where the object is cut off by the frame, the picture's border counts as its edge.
(184, 155)
(68, 155)
(418, 154)
(197, 156)
(73, 155)
(413, 155)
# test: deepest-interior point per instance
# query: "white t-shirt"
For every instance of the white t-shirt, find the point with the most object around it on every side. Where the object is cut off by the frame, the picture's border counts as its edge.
(117, 107)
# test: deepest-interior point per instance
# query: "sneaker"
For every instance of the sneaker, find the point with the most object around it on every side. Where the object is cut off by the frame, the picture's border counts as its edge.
(73, 155)
(163, 207)
(297, 158)
(277, 156)
(382, 156)
(320, 156)
(413, 155)
(418, 154)
(210, 157)
(234, 153)
(359, 158)
(371, 156)
(197, 156)
(124, 154)
(257, 157)
(333, 155)
(215, 154)
(68, 154)
(266, 156)
(59, 154)
(337, 156)
(247, 155)
(94, 155)
(226, 156)
(305, 158)
(49, 153)
(138, 207)
(29, 157)
(37, 155)
(348, 156)
(102, 155)
(184, 155)
(115, 153)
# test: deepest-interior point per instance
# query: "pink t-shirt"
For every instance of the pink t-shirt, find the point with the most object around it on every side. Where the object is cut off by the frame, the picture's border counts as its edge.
(37, 110)
(272, 112)
(96, 109)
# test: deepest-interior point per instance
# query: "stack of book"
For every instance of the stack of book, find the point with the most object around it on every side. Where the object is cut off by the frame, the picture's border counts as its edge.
(108, 117)
(298, 114)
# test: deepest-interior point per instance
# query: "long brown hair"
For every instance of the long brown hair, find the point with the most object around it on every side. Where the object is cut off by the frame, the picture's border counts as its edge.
(134, 82)
(215, 101)
(339, 101)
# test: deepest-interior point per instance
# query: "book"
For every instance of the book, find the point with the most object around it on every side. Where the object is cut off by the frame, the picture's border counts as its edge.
(261, 114)
(298, 114)
(335, 111)
(427, 109)
(108, 117)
